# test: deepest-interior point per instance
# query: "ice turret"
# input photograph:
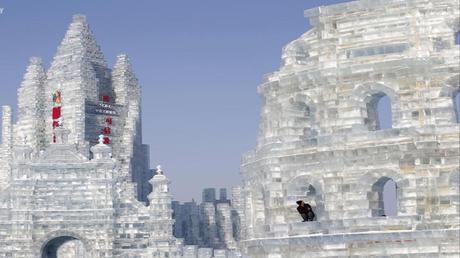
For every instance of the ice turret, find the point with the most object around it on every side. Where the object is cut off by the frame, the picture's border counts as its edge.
(30, 127)
(127, 93)
(128, 145)
(160, 204)
(125, 83)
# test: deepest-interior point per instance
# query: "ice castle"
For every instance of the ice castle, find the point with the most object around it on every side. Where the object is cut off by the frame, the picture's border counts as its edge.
(74, 174)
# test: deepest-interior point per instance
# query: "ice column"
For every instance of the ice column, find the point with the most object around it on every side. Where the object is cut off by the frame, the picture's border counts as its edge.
(5, 148)
(6, 127)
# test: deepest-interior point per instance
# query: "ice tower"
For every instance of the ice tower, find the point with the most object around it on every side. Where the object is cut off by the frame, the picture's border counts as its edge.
(320, 139)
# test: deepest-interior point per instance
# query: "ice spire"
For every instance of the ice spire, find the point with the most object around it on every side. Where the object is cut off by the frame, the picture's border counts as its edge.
(80, 42)
(79, 53)
(125, 83)
(128, 145)
(127, 93)
(79, 71)
(30, 126)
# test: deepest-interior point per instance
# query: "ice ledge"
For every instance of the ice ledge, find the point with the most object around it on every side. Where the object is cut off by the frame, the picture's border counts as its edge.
(390, 236)
(351, 6)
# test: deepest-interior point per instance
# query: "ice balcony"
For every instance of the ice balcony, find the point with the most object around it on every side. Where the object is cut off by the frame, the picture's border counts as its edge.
(354, 225)
(393, 223)
(337, 243)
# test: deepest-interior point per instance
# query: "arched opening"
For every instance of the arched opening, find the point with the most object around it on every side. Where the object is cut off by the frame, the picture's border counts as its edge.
(64, 247)
(456, 99)
(301, 109)
(378, 112)
(389, 198)
(383, 199)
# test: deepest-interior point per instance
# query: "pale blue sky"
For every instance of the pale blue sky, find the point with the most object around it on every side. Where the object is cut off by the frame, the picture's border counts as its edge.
(199, 63)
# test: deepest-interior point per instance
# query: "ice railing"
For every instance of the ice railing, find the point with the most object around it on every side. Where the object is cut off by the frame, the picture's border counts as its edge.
(346, 226)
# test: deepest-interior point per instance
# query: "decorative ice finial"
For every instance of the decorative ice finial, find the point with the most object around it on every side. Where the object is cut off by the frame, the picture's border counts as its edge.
(35, 60)
(159, 171)
(79, 18)
(101, 139)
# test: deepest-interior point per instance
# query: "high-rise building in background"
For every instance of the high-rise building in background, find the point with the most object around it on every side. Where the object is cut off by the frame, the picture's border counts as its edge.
(222, 194)
(209, 195)
(211, 224)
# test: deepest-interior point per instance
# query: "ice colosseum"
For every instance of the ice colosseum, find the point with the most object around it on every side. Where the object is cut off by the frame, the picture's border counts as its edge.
(321, 141)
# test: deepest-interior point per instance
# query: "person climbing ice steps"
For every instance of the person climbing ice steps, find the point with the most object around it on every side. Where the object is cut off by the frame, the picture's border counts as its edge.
(305, 211)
